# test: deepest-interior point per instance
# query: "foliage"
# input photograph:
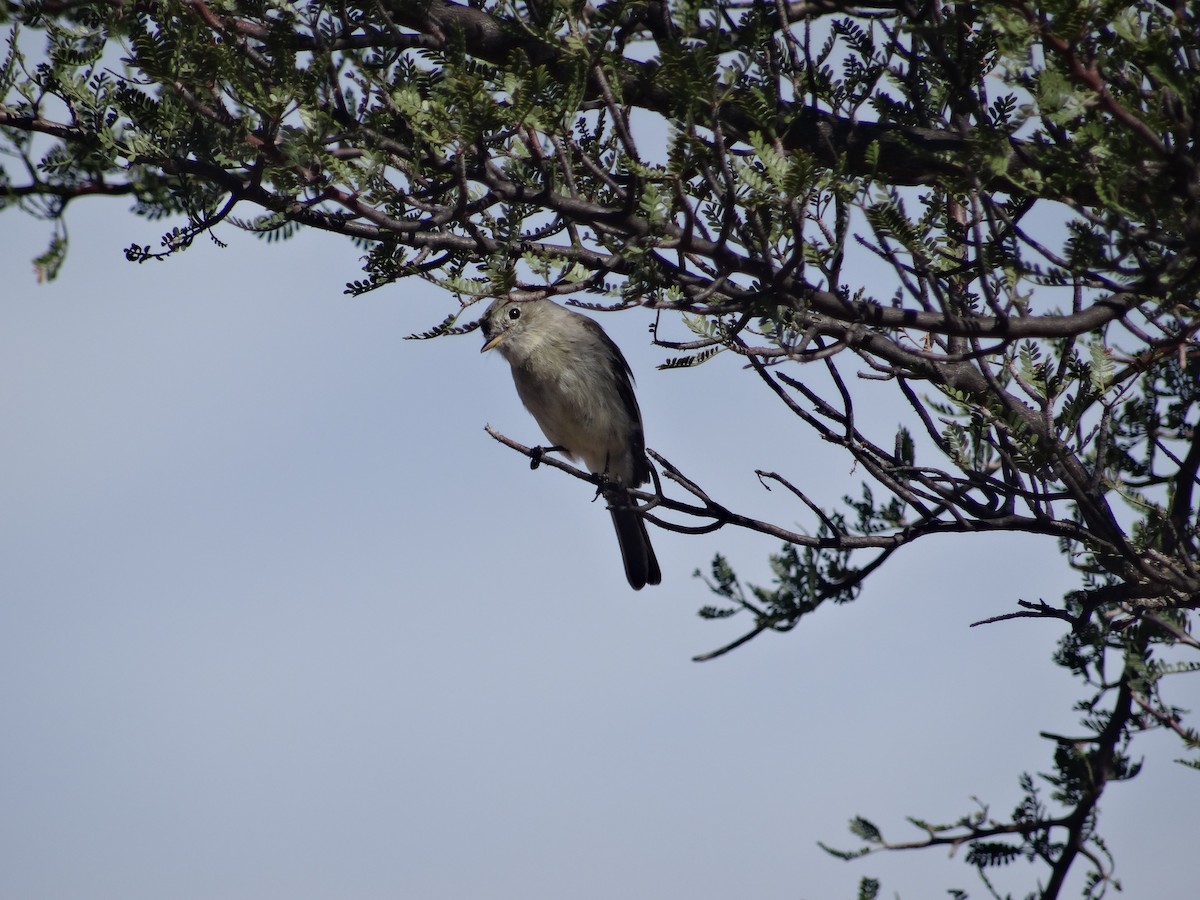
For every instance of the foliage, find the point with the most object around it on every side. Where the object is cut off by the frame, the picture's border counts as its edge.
(1029, 173)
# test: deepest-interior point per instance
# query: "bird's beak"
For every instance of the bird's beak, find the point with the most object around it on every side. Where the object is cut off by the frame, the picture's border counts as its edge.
(493, 342)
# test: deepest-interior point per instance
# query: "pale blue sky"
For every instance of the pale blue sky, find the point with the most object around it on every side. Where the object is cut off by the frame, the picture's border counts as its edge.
(280, 621)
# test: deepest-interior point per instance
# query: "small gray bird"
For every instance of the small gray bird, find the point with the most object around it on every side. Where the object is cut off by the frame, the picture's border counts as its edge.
(574, 381)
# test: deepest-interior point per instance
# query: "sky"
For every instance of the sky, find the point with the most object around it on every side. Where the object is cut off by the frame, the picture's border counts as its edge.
(279, 620)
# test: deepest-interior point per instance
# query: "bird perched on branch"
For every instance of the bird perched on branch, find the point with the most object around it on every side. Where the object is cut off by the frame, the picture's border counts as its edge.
(576, 383)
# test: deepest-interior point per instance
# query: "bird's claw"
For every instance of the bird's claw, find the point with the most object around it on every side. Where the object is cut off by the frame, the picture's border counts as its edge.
(604, 485)
(536, 454)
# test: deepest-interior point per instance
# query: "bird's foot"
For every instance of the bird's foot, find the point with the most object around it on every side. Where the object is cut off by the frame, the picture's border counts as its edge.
(536, 454)
(605, 486)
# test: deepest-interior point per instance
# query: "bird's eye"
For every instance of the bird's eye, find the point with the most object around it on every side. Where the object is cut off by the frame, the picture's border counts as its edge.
(514, 313)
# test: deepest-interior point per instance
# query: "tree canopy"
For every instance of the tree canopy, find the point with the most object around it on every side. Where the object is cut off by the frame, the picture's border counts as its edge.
(1027, 173)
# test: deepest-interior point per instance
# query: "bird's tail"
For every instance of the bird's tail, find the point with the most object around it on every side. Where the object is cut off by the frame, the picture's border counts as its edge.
(641, 565)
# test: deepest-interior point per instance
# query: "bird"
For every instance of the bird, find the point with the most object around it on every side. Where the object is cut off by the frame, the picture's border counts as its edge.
(578, 387)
